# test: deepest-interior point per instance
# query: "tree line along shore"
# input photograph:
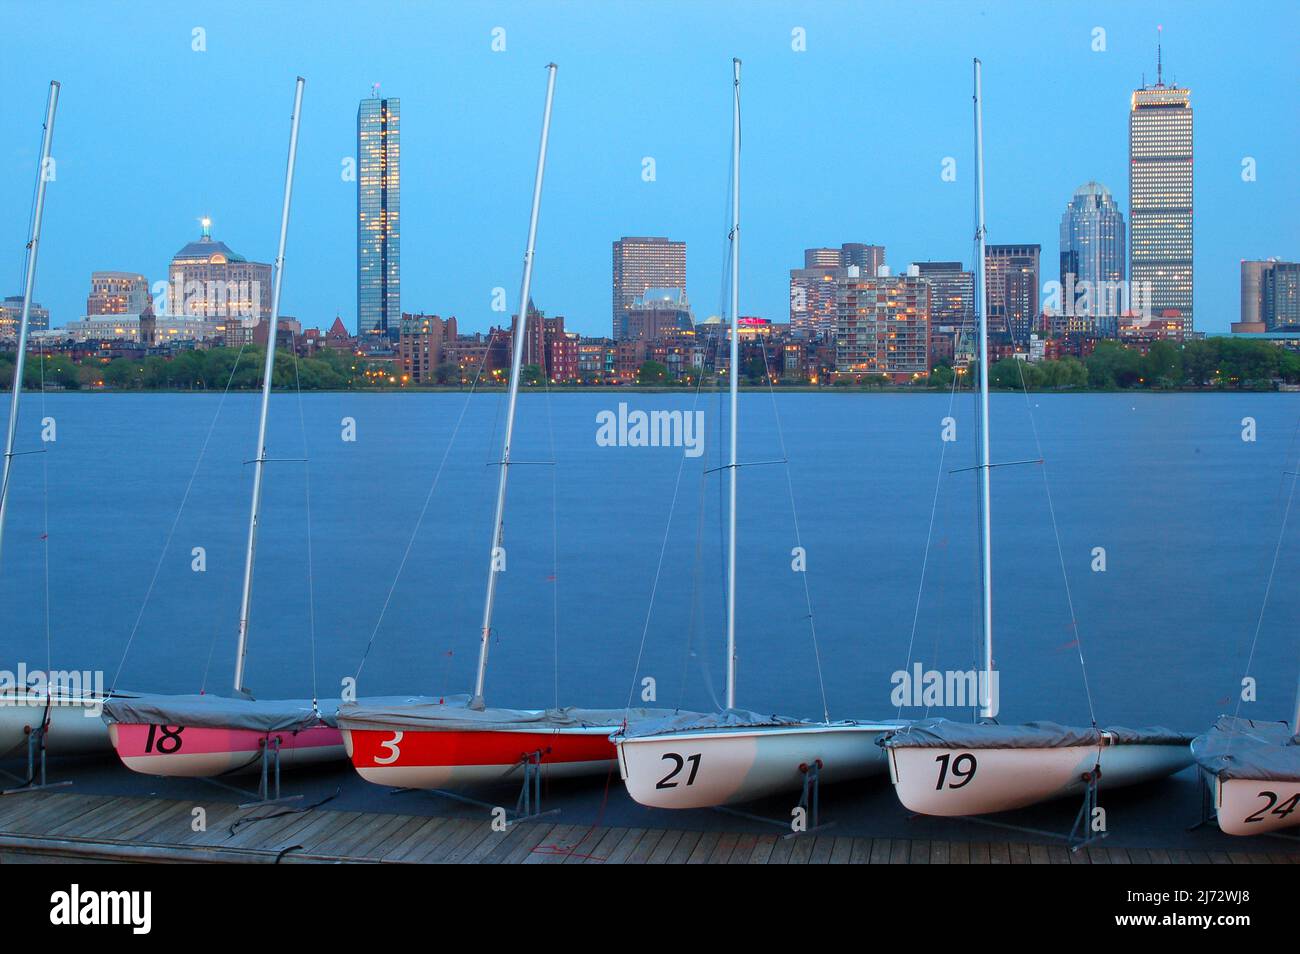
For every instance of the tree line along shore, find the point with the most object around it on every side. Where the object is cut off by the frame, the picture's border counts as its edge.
(1209, 364)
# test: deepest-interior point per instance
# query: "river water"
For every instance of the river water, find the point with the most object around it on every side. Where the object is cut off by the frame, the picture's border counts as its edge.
(1187, 512)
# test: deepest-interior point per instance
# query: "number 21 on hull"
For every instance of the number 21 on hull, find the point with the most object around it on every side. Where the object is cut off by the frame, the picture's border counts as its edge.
(702, 770)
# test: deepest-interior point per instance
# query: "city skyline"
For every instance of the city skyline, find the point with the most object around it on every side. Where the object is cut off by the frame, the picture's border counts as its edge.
(464, 178)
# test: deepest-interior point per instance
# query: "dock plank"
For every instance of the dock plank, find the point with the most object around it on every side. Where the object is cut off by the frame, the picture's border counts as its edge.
(664, 848)
(619, 853)
(685, 845)
(75, 825)
(764, 845)
(704, 847)
(646, 847)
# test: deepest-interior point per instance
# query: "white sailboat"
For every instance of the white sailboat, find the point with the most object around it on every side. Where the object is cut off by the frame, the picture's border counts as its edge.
(940, 767)
(1253, 771)
(1252, 768)
(209, 735)
(48, 715)
(703, 760)
(437, 743)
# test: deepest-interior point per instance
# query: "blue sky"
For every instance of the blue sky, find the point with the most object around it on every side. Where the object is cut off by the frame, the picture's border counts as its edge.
(843, 142)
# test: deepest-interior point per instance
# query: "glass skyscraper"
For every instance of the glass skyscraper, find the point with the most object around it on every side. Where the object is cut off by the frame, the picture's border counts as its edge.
(379, 300)
(1160, 199)
(1092, 247)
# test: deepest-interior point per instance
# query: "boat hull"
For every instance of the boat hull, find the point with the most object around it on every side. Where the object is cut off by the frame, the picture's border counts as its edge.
(453, 758)
(75, 725)
(951, 782)
(1247, 806)
(709, 768)
(204, 752)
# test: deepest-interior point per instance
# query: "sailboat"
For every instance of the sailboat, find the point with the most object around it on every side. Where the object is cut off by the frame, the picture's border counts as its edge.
(207, 735)
(1252, 768)
(58, 719)
(433, 743)
(941, 767)
(704, 760)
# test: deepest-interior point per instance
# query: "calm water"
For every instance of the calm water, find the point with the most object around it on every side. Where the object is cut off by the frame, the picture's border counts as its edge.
(1188, 514)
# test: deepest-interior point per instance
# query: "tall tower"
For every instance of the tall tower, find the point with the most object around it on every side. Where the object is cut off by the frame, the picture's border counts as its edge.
(379, 300)
(1160, 199)
(642, 263)
(1092, 248)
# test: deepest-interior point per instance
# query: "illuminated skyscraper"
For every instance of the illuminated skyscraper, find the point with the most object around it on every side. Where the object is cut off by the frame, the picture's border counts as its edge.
(379, 300)
(1160, 198)
(1092, 249)
(641, 264)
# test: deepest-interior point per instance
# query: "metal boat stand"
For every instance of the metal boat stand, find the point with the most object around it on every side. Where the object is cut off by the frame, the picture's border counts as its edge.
(528, 806)
(1079, 835)
(268, 782)
(810, 801)
(1207, 813)
(35, 765)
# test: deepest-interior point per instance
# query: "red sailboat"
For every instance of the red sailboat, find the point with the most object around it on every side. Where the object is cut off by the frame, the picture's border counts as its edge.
(431, 743)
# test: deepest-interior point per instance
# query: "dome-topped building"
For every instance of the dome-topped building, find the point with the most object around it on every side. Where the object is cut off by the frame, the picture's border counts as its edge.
(210, 279)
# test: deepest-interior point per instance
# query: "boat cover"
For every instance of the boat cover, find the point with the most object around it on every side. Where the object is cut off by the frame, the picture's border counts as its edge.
(666, 722)
(453, 712)
(216, 712)
(1152, 735)
(946, 734)
(1244, 748)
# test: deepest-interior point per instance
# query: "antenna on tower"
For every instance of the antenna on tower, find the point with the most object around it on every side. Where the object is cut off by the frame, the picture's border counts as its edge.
(1159, 65)
(374, 90)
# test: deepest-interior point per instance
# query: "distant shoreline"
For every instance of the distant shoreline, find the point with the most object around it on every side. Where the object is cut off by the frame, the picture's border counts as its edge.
(641, 389)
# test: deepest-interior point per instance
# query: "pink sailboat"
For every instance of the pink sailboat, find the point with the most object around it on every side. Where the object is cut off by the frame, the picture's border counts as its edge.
(210, 735)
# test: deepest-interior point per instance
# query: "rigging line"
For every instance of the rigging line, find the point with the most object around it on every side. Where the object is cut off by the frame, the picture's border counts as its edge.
(207, 666)
(663, 551)
(45, 536)
(798, 541)
(234, 368)
(311, 578)
(555, 520)
(929, 536)
(428, 498)
(1268, 588)
(1060, 553)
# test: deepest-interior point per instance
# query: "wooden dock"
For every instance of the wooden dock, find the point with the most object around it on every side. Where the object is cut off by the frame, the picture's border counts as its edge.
(52, 826)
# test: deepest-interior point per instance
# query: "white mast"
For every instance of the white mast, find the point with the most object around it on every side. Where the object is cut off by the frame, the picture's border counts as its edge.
(981, 305)
(259, 462)
(734, 377)
(497, 554)
(33, 246)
